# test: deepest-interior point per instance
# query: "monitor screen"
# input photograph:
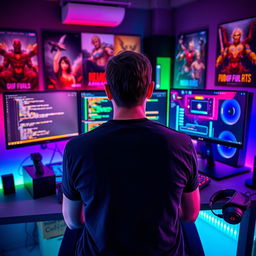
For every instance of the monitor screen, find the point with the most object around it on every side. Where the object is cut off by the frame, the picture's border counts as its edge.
(40, 117)
(96, 109)
(214, 116)
(156, 108)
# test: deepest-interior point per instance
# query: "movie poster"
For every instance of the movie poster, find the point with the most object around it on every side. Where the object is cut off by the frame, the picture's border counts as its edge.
(62, 60)
(127, 43)
(190, 60)
(236, 53)
(18, 61)
(97, 49)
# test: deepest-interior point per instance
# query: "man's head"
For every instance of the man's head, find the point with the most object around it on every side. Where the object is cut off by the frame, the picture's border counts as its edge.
(128, 77)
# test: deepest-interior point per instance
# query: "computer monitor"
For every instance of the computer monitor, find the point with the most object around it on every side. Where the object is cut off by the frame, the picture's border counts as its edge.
(156, 108)
(39, 117)
(213, 116)
(96, 109)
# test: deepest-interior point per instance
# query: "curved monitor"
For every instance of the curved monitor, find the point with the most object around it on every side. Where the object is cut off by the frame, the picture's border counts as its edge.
(39, 117)
(210, 115)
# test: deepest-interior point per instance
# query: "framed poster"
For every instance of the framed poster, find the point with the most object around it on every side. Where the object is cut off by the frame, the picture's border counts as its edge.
(97, 49)
(190, 60)
(18, 60)
(62, 60)
(236, 54)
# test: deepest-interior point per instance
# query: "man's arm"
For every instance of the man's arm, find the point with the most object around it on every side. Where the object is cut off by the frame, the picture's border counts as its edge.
(72, 213)
(190, 205)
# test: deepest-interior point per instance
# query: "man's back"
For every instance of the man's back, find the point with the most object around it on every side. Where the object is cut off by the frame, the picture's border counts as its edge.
(130, 176)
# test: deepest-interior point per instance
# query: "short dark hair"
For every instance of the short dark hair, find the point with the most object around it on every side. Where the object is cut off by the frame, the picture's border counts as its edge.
(128, 76)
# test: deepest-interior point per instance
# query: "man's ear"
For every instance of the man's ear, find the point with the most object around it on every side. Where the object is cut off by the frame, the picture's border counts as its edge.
(108, 92)
(150, 90)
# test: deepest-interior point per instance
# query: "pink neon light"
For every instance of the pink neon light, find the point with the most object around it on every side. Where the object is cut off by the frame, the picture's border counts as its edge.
(92, 15)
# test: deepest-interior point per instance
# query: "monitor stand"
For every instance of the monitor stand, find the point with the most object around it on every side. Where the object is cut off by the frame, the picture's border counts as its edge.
(218, 170)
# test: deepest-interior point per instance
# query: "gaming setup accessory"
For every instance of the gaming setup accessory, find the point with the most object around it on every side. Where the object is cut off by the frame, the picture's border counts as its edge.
(235, 204)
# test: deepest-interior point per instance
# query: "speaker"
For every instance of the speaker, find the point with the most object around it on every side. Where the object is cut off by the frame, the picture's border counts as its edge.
(8, 184)
(235, 205)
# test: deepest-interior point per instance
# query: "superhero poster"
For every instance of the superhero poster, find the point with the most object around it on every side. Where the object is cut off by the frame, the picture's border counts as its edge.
(62, 60)
(190, 60)
(97, 49)
(236, 53)
(18, 61)
(127, 43)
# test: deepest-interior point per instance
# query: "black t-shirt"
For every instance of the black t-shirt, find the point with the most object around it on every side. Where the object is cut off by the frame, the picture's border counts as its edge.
(130, 176)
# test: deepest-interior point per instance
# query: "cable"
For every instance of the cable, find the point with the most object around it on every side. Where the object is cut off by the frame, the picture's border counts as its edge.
(24, 160)
(56, 149)
(53, 154)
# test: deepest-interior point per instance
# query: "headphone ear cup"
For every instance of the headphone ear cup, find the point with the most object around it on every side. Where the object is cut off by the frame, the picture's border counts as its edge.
(232, 214)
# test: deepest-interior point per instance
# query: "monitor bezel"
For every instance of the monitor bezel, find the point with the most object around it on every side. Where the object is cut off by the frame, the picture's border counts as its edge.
(215, 141)
(41, 141)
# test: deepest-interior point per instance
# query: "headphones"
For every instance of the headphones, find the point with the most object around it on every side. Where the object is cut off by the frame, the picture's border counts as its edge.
(234, 207)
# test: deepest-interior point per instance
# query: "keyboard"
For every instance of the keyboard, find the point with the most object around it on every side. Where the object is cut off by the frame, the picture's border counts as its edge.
(203, 181)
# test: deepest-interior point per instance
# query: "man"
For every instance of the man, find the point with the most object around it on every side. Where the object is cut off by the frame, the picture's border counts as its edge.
(130, 181)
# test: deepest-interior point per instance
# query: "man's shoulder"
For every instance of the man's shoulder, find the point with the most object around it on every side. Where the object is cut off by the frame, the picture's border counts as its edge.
(88, 137)
(172, 133)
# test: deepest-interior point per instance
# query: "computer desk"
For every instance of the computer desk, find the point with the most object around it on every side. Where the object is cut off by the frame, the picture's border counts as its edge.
(20, 208)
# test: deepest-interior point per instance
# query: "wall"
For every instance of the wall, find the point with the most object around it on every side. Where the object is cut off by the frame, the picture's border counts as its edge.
(46, 14)
(208, 14)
